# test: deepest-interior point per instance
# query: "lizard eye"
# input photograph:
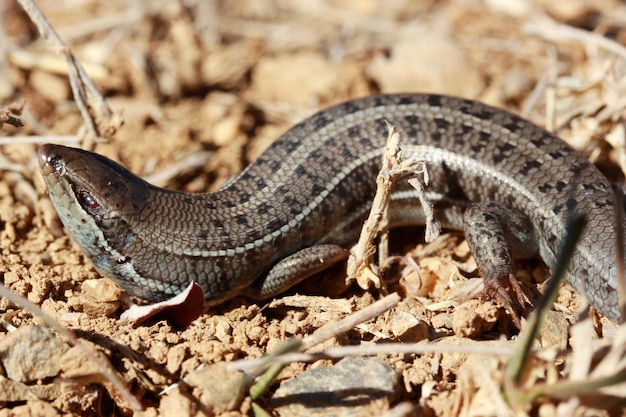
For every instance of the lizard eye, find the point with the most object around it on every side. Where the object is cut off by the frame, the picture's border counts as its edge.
(89, 203)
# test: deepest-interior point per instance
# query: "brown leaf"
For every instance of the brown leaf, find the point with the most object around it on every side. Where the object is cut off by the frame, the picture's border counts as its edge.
(180, 310)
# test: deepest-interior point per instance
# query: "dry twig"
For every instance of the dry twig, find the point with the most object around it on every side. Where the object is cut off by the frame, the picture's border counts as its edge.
(7, 111)
(99, 120)
(393, 169)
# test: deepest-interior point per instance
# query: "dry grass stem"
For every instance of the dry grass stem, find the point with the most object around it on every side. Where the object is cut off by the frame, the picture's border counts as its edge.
(557, 32)
(503, 350)
(334, 329)
(129, 16)
(52, 63)
(65, 140)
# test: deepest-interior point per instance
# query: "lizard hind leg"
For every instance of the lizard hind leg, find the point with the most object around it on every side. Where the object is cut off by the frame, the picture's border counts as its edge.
(495, 234)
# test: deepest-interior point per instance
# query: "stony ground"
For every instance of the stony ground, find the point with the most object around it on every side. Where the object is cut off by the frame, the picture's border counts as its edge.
(222, 80)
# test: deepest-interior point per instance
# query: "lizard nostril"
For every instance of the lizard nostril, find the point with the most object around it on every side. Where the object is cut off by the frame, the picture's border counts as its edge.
(49, 160)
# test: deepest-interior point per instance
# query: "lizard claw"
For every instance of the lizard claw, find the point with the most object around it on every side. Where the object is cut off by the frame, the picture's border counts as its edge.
(495, 289)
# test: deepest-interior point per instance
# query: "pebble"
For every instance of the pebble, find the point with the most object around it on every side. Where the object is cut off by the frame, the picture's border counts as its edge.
(344, 389)
(31, 353)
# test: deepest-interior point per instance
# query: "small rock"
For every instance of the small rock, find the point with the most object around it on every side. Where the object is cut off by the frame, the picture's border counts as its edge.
(343, 389)
(426, 62)
(13, 391)
(31, 353)
(221, 390)
(293, 78)
(474, 317)
(555, 331)
(409, 328)
(102, 289)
